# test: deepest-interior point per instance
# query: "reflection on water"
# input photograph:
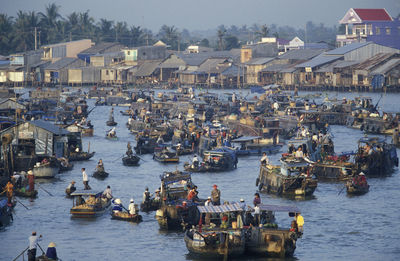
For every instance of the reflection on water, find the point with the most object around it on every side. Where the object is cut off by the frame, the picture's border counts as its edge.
(336, 226)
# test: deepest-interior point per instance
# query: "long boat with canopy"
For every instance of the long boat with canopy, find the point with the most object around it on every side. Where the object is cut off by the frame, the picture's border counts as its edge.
(88, 204)
(220, 232)
(269, 239)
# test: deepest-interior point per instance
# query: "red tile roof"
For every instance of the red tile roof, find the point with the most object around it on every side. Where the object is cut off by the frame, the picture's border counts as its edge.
(373, 14)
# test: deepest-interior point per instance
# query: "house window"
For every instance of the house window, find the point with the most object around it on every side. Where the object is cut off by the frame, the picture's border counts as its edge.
(129, 52)
(387, 30)
(106, 72)
(377, 30)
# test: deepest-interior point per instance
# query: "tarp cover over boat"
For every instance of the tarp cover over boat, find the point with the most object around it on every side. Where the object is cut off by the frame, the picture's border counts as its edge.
(220, 209)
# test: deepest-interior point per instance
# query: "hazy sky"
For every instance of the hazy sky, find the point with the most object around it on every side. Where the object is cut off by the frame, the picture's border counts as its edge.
(207, 14)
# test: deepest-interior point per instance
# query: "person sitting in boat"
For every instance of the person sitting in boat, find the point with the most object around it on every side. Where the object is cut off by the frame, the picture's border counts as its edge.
(299, 153)
(157, 196)
(195, 161)
(208, 202)
(51, 252)
(257, 199)
(107, 193)
(129, 151)
(160, 140)
(112, 133)
(71, 187)
(131, 207)
(264, 159)
(117, 206)
(89, 124)
(146, 196)
(100, 166)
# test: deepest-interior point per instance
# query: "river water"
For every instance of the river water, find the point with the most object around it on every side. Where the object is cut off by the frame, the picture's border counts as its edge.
(337, 227)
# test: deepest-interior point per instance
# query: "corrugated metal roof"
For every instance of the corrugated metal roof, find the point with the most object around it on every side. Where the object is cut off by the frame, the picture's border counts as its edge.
(301, 54)
(100, 48)
(220, 209)
(111, 54)
(374, 61)
(211, 64)
(275, 68)
(147, 68)
(260, 60)
(196, 59)
(62, 63)
(344, 64)
(57, 130)
(233, 70)
(347, 48)
(319, 61)
(383, 69)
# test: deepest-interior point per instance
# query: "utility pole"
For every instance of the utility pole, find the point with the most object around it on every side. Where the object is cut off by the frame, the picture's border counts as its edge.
(35, 38)
(70, 36)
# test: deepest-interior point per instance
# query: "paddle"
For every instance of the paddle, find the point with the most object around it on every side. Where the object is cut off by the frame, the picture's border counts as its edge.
(45, 190)
(119, 157)
(341, 190)
(22, 204)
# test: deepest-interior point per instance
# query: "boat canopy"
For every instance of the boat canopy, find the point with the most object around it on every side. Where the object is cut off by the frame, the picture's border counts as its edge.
(175, 178)
(295, 163)
(234, 207)
(278, 208)
(246, 138)
(372, 140)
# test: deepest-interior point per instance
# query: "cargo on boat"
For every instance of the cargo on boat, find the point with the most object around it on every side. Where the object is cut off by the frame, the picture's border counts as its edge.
(25, 193)
(164, 155)
(375, 157)
(291, 178)
(88, 204)
(269, 240)
(220, 159)
(222, 233)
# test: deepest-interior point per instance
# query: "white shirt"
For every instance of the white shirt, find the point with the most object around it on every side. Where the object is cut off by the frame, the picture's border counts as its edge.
(208, 203)
(33, 240)
(132, 209)
(85, 176)
(265, 158)
(256, 210)
(299, 154)
(108, 193)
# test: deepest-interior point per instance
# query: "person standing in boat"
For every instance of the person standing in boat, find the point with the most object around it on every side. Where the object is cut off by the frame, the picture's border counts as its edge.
(243, 204)
(33, 241)
(300, 222)
(107, 193)
(112, 133)
(129, 151)
(9, 189)
(132, 208)
(111, 116)
(146, 196)
(31, 181)
(85, 179)
(216, 195)
(264, 159)
(208, 202)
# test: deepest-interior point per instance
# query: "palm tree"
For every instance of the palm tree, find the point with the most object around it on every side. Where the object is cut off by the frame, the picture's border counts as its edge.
(85, 23)
(170, 35)
(6, 35)
(105, 29)
(263, 31)
(221, 34)
(24, 30)
(121, 29)
(136, 34)
(49, 22)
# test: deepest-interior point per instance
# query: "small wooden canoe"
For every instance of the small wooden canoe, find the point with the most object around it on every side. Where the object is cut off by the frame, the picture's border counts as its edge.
(126, 217)
(100, 174)
(131, 160)
(80, 156)
(25, 193)
(356, 190)
(111, 123)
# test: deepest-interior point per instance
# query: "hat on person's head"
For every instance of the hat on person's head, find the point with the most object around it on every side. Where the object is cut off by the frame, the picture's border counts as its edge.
(73, 182)
(362, 173)
(33, 233)
(52, 244)
(30, 172)
(241, 200)
(209, 197)
(215, 186)
(118, 201)
(131, 200)
(184, 203)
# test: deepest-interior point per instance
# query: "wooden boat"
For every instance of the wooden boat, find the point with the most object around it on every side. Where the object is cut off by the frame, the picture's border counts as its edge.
(125, 216)
(211, 241)
(145, 145)
(88, 204)
(100, 174)
(221, 159)
(356, 190)
(45, 171)
(382, 159)
(68, 167)
(111, 123)
(132, 160)
(80, 156)
(26, 194)
(269, 240)
(5, 213)
(87, 132)
(166, 156)
(291, 178)
(151, 205)
(255, 145)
